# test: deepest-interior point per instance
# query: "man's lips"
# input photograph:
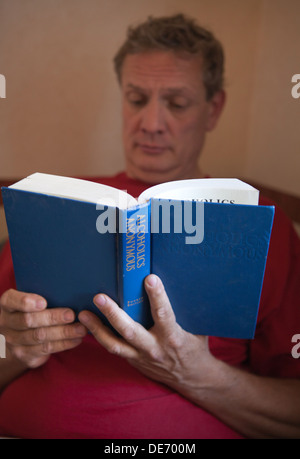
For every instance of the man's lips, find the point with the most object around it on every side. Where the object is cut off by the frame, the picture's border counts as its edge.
(152, 149)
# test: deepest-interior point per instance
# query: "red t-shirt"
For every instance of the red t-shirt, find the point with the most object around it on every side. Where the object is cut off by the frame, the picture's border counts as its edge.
(88, 393)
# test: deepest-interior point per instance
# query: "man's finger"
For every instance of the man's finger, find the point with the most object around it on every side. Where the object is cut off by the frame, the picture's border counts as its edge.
(106, 337)
(50, 317)
(35, 336)
(13, 300)
(30, 354)
(161, 309)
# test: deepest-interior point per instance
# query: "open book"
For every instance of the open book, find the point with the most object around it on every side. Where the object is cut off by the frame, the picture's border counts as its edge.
(207, 239)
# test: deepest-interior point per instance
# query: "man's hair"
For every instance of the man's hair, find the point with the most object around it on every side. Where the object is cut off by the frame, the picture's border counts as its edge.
(179, 34)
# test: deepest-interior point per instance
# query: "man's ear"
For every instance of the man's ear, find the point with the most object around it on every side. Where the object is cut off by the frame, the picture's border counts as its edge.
(216, 105)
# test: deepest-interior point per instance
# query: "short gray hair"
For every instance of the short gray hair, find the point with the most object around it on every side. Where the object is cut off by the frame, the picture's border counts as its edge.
(177, 33)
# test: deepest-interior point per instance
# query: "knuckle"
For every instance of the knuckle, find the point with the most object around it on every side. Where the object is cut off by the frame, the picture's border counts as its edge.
(24, 301)
(51, 316)
(4, 299)
(46, 347)
(164, 312)
(22, 354)
(161, 312)
(70, 331)
(175, 341)
(155, 355)
(19, 352)
(33, 363)
(67, 332)
(114, 349)
(129, 332)
(39, 335)
(27, 320)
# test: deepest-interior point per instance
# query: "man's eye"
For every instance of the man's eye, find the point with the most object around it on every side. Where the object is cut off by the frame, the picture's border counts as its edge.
(178, 104)
(137, 100)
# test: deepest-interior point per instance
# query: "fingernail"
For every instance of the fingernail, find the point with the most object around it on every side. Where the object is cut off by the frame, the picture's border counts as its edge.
(100, 300)
(80, 330)
(40, 304)
(152, 280)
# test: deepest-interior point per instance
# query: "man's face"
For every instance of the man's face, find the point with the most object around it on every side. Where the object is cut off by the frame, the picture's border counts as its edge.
(165, 115)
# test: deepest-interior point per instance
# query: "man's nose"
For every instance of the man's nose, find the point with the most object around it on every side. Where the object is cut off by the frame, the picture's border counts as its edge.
(153, 121)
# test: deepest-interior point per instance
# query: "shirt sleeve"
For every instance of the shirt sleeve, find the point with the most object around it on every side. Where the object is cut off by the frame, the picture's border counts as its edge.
(7, 277)
(270, 353)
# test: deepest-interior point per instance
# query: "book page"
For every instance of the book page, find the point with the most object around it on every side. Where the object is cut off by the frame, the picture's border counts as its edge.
(77, 189)
(227, 191)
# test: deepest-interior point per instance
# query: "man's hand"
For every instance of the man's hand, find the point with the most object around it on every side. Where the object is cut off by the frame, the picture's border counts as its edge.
(165, 353)
(33, 332)
(254, 405)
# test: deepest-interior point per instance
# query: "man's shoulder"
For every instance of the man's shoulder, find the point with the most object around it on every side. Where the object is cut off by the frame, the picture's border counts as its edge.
(283, 226)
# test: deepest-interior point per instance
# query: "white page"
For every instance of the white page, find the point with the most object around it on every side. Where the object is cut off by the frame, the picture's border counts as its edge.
(78, 189)
(212, 190)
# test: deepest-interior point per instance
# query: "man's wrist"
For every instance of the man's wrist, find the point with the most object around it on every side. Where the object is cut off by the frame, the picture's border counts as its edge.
(205, 381)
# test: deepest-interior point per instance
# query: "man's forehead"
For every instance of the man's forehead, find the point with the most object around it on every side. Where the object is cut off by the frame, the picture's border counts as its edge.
(172, 71)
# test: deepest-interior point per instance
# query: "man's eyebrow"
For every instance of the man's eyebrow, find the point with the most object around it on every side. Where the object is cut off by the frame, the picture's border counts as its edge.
(168, 91)
(181, 90)
(135, 87)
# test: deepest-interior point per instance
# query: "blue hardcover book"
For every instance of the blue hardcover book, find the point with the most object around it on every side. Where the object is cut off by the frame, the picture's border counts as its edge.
(207, 240)
(215, 288)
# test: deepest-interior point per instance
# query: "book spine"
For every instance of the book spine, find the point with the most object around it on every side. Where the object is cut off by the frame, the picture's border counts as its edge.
(134, 262)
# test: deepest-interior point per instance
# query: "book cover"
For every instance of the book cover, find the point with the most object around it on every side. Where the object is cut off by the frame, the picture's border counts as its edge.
(58, 253)
(212, 269)
(215, 286)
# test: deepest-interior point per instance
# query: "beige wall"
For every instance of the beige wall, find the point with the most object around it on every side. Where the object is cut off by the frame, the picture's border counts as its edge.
(62, 111)
(273, 147)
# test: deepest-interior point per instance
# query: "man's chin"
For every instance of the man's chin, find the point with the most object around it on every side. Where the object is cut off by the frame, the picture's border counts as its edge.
(152, 175)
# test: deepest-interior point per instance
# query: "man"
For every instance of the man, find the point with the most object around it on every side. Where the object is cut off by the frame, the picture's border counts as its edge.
(171, 76)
